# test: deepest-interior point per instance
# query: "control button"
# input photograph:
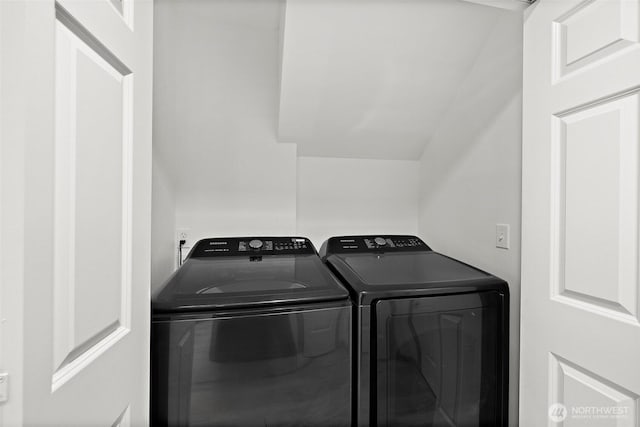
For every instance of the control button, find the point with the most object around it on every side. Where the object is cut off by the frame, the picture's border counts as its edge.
(255, 244)
(380, 241)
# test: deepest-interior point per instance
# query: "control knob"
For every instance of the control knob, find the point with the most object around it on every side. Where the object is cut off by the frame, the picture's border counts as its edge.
(255, 244)
(380, 241)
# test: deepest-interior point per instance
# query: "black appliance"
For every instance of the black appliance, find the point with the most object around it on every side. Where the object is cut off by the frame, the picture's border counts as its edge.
(251, 332)
(430, 334)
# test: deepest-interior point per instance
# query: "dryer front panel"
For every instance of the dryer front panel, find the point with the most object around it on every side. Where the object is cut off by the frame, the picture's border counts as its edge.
(440, 361)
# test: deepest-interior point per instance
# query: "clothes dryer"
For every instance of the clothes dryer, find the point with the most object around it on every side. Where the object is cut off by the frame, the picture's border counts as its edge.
(430, 337)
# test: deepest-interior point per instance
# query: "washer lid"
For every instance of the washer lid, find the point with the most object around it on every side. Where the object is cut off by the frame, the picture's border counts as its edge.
(256, 279)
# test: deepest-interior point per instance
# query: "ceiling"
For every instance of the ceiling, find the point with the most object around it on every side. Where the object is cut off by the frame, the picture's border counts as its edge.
(239, 79)
(374, 78)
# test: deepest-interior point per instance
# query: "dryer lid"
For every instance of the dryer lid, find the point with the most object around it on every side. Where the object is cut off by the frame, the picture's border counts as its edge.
(414, 268)
(377, 267)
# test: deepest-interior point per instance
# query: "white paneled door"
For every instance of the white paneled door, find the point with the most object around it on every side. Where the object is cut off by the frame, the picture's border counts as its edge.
(75, 191)
(580, 348)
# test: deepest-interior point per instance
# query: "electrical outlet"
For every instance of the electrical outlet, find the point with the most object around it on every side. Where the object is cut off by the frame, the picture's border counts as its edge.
(182, 249)
(502, 236)
(182, 233)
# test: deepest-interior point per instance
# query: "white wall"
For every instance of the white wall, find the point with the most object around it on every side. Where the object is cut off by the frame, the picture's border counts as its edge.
(356, 196)
(259, 200)
(163, 223)
(216, 103)
(470, 171)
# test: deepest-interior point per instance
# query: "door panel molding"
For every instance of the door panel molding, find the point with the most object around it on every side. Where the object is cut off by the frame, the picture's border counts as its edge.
(591, 32)
(124, 419)
(607, 133)
(94, 104)
(92, 42)
(124, 8)
(571, 383)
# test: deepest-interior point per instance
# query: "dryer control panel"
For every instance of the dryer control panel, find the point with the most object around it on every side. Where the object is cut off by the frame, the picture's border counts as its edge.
(382, 243)
(239, 246)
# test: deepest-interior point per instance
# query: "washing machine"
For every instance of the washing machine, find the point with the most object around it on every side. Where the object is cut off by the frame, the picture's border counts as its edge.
(251, 332)
(430, 334)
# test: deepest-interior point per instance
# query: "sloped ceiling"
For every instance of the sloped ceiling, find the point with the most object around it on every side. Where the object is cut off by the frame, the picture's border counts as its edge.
(235, 80)
(373, 78)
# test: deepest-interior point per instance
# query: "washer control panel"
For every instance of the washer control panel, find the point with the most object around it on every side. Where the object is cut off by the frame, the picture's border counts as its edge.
(239, 246)
(384, 243)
